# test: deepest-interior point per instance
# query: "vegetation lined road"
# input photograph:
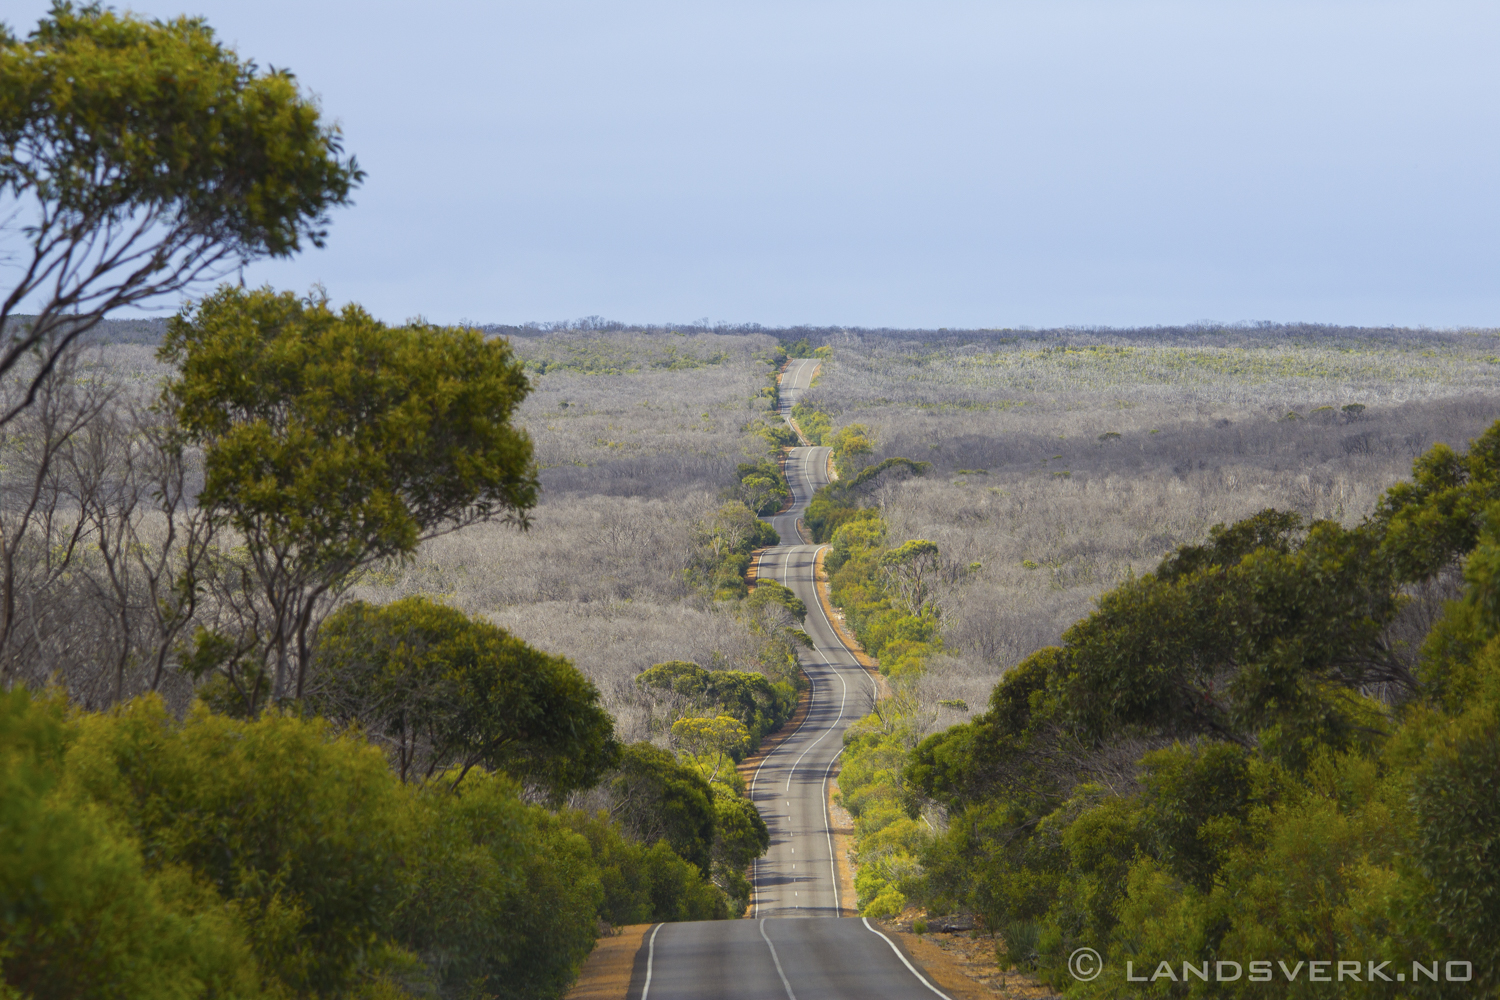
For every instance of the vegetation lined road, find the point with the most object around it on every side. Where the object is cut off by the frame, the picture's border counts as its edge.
(273, 726)
(797, 877)
(764, 957)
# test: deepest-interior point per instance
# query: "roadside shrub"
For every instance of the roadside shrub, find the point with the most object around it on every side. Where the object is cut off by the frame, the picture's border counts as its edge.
(83, 913)
(304, 831)
(501, 896)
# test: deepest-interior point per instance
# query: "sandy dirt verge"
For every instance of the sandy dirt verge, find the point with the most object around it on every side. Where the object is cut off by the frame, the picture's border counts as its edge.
(963, 964)
(842, 825)
(836, 618)
(606, 973)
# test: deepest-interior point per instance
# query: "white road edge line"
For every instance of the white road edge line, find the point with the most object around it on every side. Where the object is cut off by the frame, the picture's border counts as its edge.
(904, 961)
(833, 861)
(650, 958)
(843, 699)
(874, 691)
(785, 985)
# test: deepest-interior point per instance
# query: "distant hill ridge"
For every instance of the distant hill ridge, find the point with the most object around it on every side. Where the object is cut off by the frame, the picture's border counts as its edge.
(151, 330)
(145, 330)
(1207, 332)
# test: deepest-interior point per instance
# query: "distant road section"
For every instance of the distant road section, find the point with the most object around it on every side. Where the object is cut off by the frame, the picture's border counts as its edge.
(797, 877)
(775, 954)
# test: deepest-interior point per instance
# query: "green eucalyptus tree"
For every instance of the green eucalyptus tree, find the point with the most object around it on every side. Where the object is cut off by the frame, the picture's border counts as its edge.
(722, 736)
(911, 569)
(446, 691)
(142, 157)
(333, 441)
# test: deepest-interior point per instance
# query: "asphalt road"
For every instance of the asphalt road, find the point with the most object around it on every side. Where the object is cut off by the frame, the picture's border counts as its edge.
(797, 876)
(769, 958)
(774, 954)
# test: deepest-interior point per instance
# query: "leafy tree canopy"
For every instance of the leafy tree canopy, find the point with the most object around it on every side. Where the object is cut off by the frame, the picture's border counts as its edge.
(682, 676)
(751, 698)
(1259, 638)
(1436, 519)
(658, 798)
(851, 446)
(911, 568)
(644, 883)
(303, 830)
(763, 487)
(333, 440)
(148, 157)
(446, 689)
(149, 856)
(84, 914)
(840, 500)
(718, 737)
(740, 836)
(1247, 750)
(768, 591)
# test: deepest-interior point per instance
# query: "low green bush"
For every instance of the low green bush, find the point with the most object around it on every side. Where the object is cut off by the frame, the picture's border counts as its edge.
(277, 857)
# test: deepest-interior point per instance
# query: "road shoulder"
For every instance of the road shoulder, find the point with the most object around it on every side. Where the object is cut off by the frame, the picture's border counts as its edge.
(841, 825)
(964, 967)
(836, 619)
(606, 972)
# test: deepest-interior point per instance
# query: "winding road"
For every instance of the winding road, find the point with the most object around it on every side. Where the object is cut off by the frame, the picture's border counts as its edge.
(779, 952)
(797, 877)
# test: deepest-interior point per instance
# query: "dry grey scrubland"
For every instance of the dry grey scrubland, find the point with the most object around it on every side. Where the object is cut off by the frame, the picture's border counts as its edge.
(1066, 461)
(82, 528)
(636, 435)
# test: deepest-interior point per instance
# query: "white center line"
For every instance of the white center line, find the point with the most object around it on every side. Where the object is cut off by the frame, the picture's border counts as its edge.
(779, 971)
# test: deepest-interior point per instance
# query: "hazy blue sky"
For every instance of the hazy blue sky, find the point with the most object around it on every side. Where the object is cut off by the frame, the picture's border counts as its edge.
(928, 164)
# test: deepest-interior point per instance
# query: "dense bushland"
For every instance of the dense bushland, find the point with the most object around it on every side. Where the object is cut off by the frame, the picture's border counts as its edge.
(1066, 462)
(840, 501)
(441, 690)
(762, 486)
(1030, 480)
(815, 424)
(338, 796)
(212, 856)
(1278, 743)
(754, 701)
(640, 542)
(177, 818)
(646, 449)
(627, 545)
(1073, 466)
(1319, 707)
(885, 594)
